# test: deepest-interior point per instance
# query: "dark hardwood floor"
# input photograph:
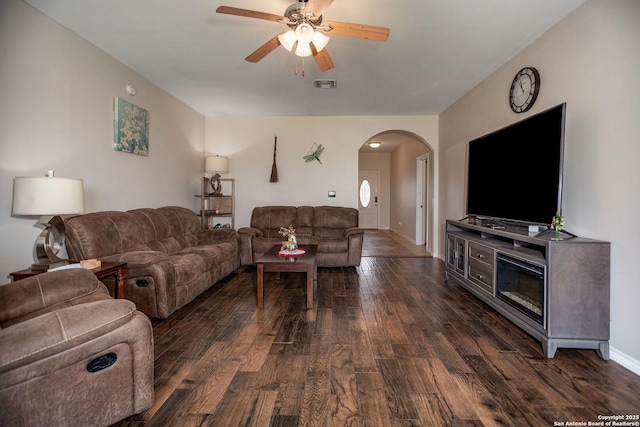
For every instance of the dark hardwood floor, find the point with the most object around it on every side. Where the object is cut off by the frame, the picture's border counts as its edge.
(386, 243)
(389, 343)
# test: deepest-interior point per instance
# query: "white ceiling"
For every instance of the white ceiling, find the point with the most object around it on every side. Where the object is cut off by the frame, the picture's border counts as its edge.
(436, 52)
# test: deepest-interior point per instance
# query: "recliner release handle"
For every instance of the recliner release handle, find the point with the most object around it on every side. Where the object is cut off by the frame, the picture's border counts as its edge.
(102, 362)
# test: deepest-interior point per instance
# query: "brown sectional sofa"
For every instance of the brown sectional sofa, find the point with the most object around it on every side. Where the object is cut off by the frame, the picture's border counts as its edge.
(170, 259)
(334, 229)
(70, 354)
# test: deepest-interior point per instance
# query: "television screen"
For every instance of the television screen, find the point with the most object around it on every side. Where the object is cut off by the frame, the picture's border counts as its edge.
(515, 173)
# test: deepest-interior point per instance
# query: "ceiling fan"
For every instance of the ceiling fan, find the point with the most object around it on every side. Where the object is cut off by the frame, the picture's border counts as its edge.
(307, 33)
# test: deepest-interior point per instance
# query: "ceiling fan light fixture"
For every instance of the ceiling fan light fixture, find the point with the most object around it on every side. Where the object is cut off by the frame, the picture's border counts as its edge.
(303, 49)
(287, 40)
(319, 40)
(304, 33)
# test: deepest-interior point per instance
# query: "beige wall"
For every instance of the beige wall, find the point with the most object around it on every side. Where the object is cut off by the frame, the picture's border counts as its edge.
(56, 113)
(248, 141)
(589, 60)
(403, 187)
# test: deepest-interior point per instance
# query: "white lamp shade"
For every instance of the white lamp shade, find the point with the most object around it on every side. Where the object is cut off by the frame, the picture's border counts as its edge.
(287, 40)
(319, 40)
(303, 49)
(40, 196)
(218, 164)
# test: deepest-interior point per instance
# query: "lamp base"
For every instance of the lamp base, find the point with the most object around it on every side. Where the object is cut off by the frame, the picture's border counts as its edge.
(48, 245)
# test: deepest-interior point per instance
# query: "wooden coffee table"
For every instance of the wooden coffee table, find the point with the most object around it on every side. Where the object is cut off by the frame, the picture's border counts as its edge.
(306, 263)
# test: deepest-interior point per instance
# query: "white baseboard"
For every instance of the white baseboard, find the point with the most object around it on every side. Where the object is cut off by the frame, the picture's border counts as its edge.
(625, 360)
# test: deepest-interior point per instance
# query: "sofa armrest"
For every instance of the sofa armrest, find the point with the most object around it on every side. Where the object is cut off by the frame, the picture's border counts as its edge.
(246, 235)
(356, 238)
(252, 231)
(44, 290)
(216, 235)
(137, 259)
(353, 230)
(59, 330)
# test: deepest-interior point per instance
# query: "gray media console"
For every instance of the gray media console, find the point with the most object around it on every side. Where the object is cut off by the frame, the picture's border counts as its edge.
(555, 290)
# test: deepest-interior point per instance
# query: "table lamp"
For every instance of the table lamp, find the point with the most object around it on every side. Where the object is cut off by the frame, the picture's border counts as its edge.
(216, 165)
(48, 197)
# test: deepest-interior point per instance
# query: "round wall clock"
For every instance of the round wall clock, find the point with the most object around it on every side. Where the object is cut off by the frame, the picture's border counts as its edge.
(524, 89)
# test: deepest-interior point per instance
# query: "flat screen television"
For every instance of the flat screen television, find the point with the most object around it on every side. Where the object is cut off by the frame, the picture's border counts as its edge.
(515, 173)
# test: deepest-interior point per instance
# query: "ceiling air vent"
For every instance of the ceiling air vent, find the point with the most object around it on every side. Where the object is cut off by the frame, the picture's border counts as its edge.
(326, 84)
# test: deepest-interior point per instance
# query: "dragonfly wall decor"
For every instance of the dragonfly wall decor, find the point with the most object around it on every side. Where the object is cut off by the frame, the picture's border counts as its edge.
(315, 155)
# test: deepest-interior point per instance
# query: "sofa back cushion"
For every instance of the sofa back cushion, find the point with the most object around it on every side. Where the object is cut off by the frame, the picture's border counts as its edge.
(269, 219)
(184, 225)
(333, 221)
(305, 220)
(100, 234)
(156, 230)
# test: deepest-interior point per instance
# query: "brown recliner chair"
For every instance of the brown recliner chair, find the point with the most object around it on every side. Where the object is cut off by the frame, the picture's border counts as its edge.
(70, 354)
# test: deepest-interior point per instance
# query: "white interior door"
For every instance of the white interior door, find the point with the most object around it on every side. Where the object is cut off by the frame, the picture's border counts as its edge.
(422, 199)
(368, 185)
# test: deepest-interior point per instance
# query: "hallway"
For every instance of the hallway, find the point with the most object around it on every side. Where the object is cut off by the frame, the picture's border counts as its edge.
(389, 244)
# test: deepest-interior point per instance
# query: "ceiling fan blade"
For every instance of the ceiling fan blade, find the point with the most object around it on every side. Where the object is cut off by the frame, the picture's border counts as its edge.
(316, 7)
(263, 50)
(249, 13)
(361, 31)
(322, 58)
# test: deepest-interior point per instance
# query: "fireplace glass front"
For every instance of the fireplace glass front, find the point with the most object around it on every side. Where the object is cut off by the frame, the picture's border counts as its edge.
(522, 285)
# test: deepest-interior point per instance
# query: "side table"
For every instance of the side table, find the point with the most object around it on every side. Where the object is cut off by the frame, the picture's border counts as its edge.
(107, 269)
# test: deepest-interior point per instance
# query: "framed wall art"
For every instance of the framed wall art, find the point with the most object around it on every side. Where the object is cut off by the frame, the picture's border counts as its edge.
(131, 128)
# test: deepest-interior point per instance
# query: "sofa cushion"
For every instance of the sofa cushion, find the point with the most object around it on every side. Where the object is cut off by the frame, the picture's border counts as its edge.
(270, 218)
(333, 221)
(187, 267)
(119, 232)
(157, 230)
(184, 225)
(305, 221)
(212, 255)
(331, 244)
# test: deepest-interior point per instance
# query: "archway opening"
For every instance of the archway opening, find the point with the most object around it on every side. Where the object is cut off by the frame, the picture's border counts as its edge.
(403, 197)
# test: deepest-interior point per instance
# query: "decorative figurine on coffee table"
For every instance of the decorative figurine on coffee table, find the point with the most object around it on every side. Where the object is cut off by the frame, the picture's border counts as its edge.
(291, 244)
